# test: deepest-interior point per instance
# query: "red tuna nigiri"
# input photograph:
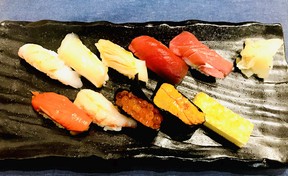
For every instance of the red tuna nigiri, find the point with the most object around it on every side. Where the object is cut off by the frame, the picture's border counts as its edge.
(62, 111)
(198, 55)
(159, 58)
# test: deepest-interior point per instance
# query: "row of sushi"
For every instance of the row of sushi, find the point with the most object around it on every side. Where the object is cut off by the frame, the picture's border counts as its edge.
(255, 59)
(73, 59)
(90, 106)
(168, 63)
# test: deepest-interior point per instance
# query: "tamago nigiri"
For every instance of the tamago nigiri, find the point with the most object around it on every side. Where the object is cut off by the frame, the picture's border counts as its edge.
(224, 121)
(75, 54)
(48, 62)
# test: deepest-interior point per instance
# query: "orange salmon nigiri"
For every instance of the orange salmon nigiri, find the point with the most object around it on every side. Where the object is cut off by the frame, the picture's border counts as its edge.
(61, 111)
(199, 56)
(159, 58)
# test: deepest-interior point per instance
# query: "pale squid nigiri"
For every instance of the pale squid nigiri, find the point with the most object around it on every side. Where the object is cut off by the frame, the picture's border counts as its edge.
(62, 111)
(102, 111)
(47, 61)
(123, 61)
(75, 54)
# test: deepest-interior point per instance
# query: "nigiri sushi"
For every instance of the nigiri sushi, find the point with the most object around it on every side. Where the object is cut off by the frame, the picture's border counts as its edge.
(102, 111)
(123, 61)
(62, 111)
(48, 62)
(170, 99)
(159, 59)
(224, 121)
(199, 56)
(75, 54)
(257, 57)
(139, 109)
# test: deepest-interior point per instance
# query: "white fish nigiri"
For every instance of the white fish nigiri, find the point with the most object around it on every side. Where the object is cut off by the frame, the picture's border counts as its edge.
(102, 111)
(75, 54)
(47, 61)
(123, 61)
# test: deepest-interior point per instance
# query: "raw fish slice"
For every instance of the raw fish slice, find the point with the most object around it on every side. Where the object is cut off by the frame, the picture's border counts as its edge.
(61, 111)
(75, 54)
(103, 112)
(123, 61)
(48, 62)
(199, 56)
(159, 59)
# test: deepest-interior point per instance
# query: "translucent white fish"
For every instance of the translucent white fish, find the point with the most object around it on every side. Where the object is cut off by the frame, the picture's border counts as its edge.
(102, 111)
(48, 62)
(75, 54)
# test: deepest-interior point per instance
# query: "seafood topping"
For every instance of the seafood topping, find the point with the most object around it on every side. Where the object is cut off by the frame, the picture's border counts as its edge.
(141, 110)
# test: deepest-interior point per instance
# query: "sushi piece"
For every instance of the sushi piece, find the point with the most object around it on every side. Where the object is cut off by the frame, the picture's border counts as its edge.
(224, 121)
(257, 57)
(123, 61)
(102, 111)
(48, 62)
(139, 109)
(199, 56)
(159, 59)
(61, 111)
(169, 99)
(75, 54)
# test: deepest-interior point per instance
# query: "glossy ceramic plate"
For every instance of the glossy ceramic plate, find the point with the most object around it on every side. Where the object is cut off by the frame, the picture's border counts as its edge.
(24, 134)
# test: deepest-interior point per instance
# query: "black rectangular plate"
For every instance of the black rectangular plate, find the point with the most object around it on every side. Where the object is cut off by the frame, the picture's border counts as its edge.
(26, 135)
